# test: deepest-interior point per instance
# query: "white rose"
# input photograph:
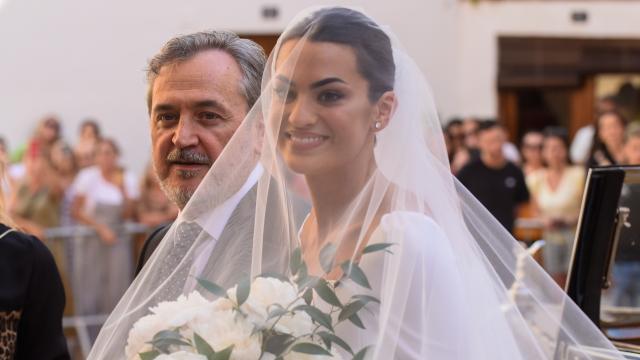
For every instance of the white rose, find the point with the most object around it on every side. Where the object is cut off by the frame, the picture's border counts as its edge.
(164, 316)
(224, 328)
(181, 355)
(184, 309)
(264, 293)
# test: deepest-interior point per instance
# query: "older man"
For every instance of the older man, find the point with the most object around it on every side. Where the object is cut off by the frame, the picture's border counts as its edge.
(201, 87)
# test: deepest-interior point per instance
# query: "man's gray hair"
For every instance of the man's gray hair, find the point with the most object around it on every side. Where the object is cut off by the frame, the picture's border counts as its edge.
(249, 56)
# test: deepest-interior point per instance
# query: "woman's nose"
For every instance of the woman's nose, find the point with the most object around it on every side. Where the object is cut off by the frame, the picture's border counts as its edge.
(301, 114)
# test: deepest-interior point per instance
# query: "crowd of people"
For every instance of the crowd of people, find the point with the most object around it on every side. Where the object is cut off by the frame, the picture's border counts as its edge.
(77, 199)
(544, 180)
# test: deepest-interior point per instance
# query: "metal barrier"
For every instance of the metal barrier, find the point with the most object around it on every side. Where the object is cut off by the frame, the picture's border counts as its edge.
(80, 323)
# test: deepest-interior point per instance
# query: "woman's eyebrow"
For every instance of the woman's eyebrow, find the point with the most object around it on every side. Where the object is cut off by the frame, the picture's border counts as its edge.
(326, 81)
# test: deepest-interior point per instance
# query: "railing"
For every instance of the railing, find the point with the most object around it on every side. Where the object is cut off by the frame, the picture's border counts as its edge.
(81, 323)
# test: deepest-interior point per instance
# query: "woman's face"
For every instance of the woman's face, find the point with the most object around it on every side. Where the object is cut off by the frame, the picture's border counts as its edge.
(327, 118)
(106, 156)
(554, 152)
(611, 130)
(531, 148)
(88, 131)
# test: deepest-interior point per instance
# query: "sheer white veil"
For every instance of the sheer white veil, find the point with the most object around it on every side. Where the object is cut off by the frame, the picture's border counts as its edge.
(479, 297)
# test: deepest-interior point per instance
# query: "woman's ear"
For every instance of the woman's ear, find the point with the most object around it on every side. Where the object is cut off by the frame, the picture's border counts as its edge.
(385, 106)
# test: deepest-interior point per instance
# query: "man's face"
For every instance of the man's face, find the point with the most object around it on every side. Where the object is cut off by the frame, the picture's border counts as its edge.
(491, 140)
(196, 107)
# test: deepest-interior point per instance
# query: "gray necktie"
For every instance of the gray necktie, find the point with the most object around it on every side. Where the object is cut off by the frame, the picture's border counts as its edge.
(182, 241)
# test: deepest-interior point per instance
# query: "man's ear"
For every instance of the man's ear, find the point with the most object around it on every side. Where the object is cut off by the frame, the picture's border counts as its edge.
(385, 107)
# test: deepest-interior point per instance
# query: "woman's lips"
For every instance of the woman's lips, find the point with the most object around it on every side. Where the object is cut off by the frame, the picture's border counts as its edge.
(305, 141)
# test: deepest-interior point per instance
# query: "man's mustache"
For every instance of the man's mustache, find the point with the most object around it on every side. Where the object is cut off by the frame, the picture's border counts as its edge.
(188, 157)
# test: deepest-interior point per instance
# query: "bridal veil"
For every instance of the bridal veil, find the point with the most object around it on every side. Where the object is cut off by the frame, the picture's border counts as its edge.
(506, 306)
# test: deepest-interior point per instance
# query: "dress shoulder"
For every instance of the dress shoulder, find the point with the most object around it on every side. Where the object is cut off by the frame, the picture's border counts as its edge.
(417, 231)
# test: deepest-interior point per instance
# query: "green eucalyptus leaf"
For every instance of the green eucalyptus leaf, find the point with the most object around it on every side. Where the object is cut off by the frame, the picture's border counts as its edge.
(224, 354)
(149, 355)
(308, 296)
(376, 247)
(326, 293)
(302, 275)
(310, 348)
(366, 298)
(202, 346)
(276, 310)
(350, 309)
(327, 256)
(309, 282)
(242, 291)
(277, 344)
(355, 273)
(317, 315)
(330, 338)
(360, 355)
(212, 287)
(355, 319)
(164, 339)
(295, 261)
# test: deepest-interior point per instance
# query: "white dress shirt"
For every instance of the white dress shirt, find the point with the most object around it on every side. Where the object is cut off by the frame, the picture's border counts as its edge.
(214, 224)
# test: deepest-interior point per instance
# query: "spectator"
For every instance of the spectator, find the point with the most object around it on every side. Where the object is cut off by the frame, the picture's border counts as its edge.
(65, 169)
(31, 295)
(531, 149)
(608, 140)
(85, 149)
(35, 202)
(557, 196)
(103, 199)
(583, 139)
(469, 151)
(454, 135)
(154, 208)
(497, 183)
(46, 134)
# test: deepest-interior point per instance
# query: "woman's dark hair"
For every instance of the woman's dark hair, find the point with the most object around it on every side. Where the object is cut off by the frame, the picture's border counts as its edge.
(560, 133)
(344, 26)
(598, 144)
(93, 124)
(112, 143)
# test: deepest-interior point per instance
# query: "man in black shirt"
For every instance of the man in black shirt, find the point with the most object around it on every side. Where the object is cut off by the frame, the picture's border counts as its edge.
(497, 183)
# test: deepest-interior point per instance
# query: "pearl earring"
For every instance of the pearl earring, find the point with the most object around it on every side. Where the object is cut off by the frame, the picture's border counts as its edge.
(377, 125)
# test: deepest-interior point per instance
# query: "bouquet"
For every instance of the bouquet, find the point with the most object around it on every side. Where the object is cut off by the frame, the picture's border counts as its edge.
(272, 317)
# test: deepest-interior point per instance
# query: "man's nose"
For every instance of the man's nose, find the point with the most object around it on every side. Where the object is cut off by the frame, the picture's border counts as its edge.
(186, 133)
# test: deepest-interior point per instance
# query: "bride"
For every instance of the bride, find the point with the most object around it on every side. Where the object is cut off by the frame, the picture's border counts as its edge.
(344, 107)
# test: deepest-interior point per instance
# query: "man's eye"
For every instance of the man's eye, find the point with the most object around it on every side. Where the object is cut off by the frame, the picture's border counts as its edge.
(330, 96)
(207, 115)
(167, 117)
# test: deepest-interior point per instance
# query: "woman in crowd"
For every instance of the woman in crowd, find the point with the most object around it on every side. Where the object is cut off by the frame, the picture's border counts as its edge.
(103, 200)
(557, 194)
(154, 208)
(531, 149)
(85, 149)
(31, 295)
(608, 140)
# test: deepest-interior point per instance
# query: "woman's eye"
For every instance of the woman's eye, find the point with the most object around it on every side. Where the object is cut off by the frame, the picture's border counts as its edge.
(330, 96)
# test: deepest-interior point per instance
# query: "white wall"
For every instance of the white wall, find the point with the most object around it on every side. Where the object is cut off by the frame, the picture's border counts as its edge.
(79, 58)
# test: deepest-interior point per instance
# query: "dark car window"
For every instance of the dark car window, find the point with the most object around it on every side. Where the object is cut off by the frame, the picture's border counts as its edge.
(620, 301)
